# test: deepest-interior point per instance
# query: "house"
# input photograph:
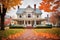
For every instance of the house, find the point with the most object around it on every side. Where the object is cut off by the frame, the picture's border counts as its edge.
(28, 16)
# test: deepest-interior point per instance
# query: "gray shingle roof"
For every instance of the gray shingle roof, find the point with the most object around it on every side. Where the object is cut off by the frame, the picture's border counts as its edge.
(21, 10)
(38, 11)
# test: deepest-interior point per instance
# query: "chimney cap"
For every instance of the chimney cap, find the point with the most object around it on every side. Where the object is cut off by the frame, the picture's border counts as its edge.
(18, 7)
(34, 6)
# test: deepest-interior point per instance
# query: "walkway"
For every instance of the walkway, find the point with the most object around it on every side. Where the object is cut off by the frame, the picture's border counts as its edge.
(29, 35)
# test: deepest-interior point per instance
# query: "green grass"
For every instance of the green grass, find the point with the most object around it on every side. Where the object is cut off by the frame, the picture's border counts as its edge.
(51, 30)
(6, 33)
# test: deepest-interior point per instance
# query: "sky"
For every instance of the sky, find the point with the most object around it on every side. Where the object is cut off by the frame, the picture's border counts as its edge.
(12, 12)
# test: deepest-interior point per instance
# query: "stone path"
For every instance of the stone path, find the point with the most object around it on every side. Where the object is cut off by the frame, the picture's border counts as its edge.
(28, 35)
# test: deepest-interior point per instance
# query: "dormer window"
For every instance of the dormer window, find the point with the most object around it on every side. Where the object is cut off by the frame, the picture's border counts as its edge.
(29, 15)
(20, 16)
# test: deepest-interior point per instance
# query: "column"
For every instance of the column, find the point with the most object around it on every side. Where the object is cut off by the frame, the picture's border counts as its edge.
(24, 22)
(34, 23)
(47, 18)
(27, 22)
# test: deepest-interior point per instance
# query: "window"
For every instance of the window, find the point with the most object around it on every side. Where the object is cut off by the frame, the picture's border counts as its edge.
(29, 15)
(20, 16)
(37, 16)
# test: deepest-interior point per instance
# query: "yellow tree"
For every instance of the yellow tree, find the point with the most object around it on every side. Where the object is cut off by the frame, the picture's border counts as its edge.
(6, 5)
(51, 6)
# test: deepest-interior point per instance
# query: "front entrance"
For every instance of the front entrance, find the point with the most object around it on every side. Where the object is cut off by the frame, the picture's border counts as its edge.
(29, 24)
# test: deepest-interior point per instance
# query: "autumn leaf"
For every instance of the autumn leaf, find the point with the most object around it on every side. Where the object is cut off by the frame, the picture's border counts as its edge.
(51, 6)
(47, 4)
(10, 3)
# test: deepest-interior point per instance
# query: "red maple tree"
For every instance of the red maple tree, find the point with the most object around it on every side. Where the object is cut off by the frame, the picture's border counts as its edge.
(51, 6)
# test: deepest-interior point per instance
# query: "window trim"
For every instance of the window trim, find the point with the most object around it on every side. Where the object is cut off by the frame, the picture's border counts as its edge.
(29, 15)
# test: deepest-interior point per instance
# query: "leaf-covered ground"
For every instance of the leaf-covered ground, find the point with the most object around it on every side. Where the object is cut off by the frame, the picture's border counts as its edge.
(30, 34)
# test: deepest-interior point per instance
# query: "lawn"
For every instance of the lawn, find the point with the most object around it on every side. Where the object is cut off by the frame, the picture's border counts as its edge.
(55, 31)
(8, 32)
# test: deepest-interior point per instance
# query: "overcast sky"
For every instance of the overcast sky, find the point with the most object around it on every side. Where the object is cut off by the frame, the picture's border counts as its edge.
(30, 2)
(25, 3)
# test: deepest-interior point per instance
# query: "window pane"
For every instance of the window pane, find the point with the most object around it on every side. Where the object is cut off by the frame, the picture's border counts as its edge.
(20, 16)
(29, 15)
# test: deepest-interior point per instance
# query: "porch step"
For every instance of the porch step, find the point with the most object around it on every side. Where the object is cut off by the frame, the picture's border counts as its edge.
(29, 27)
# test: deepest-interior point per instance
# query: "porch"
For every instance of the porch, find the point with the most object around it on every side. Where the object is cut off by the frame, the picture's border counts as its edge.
(29, 23)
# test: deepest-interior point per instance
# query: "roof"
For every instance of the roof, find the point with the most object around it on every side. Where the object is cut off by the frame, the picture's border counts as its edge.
(38, 11)
(21, 10)
(7, 16)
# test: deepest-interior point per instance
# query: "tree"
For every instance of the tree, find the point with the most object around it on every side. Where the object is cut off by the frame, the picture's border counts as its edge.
(53, 19)
(51, 6)
(6, 5)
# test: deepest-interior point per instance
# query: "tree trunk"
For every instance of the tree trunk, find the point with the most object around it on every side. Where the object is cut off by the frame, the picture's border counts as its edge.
(3, 17)
(2, 22)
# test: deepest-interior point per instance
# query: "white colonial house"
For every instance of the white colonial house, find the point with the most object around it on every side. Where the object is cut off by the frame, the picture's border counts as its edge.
(28, 16)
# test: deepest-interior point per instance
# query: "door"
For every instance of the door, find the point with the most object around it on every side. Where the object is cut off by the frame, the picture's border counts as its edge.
(29, 24)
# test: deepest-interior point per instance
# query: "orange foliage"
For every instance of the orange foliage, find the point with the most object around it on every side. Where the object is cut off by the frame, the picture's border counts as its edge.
(3, 38)
(47, 35)
(10, 3)
(13, 36)
(46, 5)
(48, 0)
(51, 6)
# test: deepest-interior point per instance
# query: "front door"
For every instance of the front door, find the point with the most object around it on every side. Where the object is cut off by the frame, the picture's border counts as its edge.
(29, 24)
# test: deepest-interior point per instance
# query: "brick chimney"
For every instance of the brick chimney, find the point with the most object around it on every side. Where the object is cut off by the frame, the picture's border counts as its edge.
(18, 7)
(34, 6)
